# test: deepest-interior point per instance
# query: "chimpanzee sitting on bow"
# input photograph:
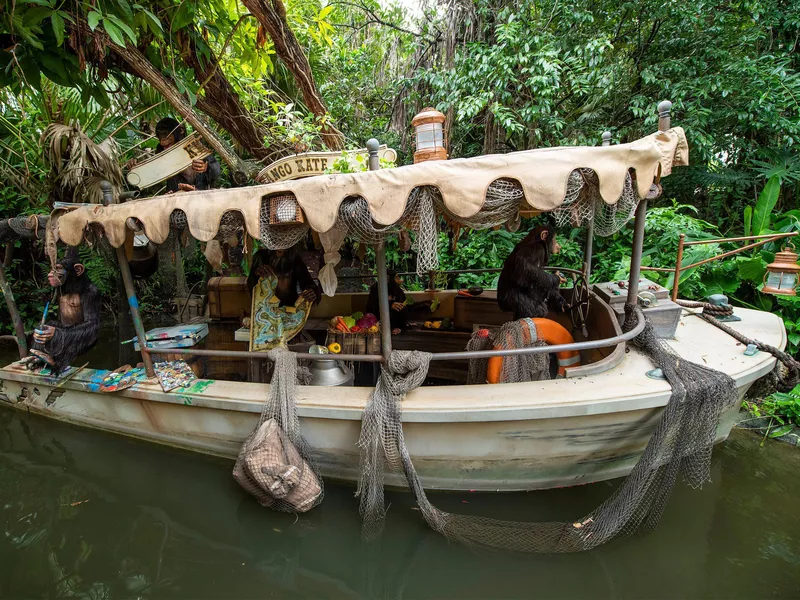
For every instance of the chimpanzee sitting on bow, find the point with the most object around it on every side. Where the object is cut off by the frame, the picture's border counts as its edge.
(525, 288)
(59, 342)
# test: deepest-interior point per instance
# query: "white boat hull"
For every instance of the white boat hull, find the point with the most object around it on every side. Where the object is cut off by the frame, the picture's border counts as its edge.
(489, 437)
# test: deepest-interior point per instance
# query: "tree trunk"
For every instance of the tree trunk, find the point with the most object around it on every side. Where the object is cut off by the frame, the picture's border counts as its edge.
(272, 16)
(220, 102)
(142, 67)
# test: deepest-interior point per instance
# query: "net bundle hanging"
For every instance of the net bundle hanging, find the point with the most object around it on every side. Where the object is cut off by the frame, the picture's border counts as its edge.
(275, 463)
(680, 445)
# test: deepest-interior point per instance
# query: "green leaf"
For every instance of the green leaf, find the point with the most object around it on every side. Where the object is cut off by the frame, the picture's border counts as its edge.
(125, 8)
(124, 26)
(93, 19)
(748, 219)
(99, 94)
(779, 431)
(752, 270)
(155, 23)
(58, 27)
(113, 32)
(183, 16)
(766, 202)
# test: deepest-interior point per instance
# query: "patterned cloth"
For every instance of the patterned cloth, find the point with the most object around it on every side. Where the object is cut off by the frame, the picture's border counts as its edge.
(273, 325)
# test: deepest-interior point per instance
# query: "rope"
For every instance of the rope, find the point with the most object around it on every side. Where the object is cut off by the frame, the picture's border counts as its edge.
(784, 383)
(720, 310)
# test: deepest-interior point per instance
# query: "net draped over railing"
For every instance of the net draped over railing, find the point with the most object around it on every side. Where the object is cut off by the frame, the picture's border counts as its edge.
(680, 445)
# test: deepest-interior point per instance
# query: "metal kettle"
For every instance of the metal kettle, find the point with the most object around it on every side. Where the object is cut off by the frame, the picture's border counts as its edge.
(330, 372)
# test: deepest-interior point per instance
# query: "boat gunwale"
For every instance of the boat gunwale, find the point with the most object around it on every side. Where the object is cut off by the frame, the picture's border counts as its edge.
(308, 397)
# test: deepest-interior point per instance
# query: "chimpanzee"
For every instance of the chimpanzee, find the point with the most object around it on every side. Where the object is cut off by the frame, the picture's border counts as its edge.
(525, 288)
(398, 316)
(59, 342)
(294, 280)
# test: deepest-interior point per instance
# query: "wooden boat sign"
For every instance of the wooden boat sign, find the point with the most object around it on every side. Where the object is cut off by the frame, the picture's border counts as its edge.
(168, 163)
(308, 164)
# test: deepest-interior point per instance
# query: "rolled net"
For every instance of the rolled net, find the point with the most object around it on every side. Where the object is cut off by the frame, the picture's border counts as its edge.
(275, 463)
(681, 445)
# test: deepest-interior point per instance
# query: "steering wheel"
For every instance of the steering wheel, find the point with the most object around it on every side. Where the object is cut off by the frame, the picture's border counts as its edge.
(579, 303)
(578, 299)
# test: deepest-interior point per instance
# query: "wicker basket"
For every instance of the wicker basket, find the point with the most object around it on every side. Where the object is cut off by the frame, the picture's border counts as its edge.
(284, 210)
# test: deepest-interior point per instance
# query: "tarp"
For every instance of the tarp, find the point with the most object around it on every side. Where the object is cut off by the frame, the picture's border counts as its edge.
(542, 175)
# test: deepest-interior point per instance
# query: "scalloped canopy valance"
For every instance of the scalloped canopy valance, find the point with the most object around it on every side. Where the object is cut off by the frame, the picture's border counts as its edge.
(542, 174)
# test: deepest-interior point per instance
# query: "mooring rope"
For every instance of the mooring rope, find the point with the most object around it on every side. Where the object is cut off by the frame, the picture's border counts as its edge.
(783, 383)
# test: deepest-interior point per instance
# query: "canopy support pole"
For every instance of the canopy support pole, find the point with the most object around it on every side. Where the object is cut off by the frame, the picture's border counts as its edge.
(589, 250)
(587, 253)
(130, 292)
(380, 259)
(19, 327)
(641, 213)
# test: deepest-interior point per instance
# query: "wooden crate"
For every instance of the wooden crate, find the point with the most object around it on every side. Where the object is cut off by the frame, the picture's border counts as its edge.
(355, 343)
(228, 297)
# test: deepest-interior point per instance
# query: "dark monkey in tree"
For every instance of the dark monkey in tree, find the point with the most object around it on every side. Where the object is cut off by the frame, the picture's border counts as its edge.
(59, 342)
(525, 288)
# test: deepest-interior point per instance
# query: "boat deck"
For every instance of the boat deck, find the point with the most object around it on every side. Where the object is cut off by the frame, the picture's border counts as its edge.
(622, 388)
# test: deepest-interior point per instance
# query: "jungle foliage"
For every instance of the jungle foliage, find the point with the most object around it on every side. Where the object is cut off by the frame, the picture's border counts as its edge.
(263, 78)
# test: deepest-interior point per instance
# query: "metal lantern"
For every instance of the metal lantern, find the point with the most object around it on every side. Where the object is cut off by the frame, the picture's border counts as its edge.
(429, 136)
(781, 276)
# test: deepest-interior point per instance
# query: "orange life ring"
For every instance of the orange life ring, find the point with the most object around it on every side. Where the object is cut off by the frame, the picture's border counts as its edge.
(548, 331)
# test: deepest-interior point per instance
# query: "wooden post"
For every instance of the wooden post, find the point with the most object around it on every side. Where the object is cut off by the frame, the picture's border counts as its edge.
(675, 281)
(19, 327)
(664, 109)
(380, 267)
(130, 291)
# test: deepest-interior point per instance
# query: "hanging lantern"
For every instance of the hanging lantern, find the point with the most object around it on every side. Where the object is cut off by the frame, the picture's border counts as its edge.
(429, 136)
(781, 275)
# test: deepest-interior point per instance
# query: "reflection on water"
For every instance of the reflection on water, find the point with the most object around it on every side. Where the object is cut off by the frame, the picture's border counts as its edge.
(91, 515)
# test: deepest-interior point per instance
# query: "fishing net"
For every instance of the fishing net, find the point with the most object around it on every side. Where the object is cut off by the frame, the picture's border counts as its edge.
(419, 217)
(516, 368)
(583, 203)
(275, 463)
(504, 199)
(680, 445)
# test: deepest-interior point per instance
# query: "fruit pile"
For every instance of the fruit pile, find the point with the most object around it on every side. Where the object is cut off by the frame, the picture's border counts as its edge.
(445, 323)
(356, 323)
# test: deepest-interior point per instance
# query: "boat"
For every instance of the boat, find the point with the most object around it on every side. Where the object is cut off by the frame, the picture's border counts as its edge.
(591, 424)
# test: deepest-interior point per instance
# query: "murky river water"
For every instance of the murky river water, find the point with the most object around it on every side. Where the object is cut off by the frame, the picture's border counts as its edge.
(91, 515)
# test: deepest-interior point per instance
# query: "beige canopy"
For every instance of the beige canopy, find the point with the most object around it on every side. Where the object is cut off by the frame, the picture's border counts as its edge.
(542, 175)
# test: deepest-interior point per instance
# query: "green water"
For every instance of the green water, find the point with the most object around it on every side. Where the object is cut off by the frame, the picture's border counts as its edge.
(91, 515)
